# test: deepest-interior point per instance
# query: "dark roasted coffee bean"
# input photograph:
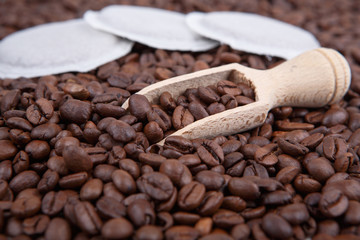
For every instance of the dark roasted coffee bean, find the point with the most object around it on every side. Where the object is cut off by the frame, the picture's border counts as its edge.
(87, 218)
(160, 117)
(21, 162)
(292, 148)
(295, 214)
(76, 159)
(91, 190)
(276, 226)
(152, 159)
(197, 110)
(333, 203)
(178, 173)
(139, 106)
(7, 150)
(121, 131)
(278, 197)
(157, 185)
(185, 218)
(24, 180)
(244, 188)
(153, 132)
(111, 191)
(35, 225)
(58, 228)
(320, 169)
(305, 184)
(148, 232)
(208, 95)
(25, 207)
(48, 181)
(329, 227)
(73, 181)
(109, 207)
(227, 219)
(191, 195)
(179, 144)
(211, 203)
(75, 111)
(123, 181)
(37, 149)
(210, 153)
(181, 232)
(53, 202)
(210, 179)
(181, 117)
(141, 212)
(19, 123)
(40, 112)
(64, 142)
(240, 232)
(117, 228)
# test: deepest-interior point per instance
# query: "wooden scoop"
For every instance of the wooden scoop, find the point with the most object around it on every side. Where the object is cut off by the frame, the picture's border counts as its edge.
(312, 79)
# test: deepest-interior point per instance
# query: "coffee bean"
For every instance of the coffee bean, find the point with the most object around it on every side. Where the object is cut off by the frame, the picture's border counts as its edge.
(58, 228)
(37, 149)
(197, 110)
(123, 182)
(276, 226)
(87, 218)
(148, 232)
(141, 212)
(35, 225)
(139, 106)
(292, 148)
(109, 207)
(24, 180)
(296, 213)
(227, 219)
(25, 207)
(40, 112)
(179, 144)
(178, 173)
(243, 188)
(7, 150)
(111, 191)
(73, 181)
(48, 181)
(19, 123)
(211, 203)
(185, 218)
(191, 195)
(53, 202)
(121, 131)
(211, 180)
(240, 231)
(180, 231)
(76, 159)
(91, 190)
(181, 117)
(333, 204)
(156, 185)
(117, 228)
(210, 153)
(75, 111)
(152, 159)
(153, 132)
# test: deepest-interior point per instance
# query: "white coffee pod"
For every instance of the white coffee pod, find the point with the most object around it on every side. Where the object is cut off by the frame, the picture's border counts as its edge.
(150, 26)
(58, 47)
(253, 33)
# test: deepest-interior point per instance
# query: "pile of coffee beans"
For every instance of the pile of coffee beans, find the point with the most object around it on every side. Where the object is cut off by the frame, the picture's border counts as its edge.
(75, 165)
(194, 104)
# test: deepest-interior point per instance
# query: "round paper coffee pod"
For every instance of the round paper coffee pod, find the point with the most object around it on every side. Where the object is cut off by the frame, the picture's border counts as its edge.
(150, 26)
(253, 33)
(58, 47)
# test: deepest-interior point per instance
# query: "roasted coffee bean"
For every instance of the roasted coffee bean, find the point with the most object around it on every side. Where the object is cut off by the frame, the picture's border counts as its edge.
(25, 207)
(35, 225)
(295, 214)
(204, 225)
(24, 180)
(160, 117)
(37, 150)
(181, 117)
(75, 111)
(53, 202)
(141, 212)
(211, 203)
(152, 159)
(333, 203)
(178, 173)
(210, 153)
(240, 232)
(19, 123)
(153, 132)
(179, 144)
(197, 110)
(109, 207)
(185, 218)
(244, 188)
(121, 131)
(292, 148)
(276, 226)
(191, 195)
(183, 232)
(91, 190)
(139, 106)
(104, 171)
(7, 150)
(210, 179)
(117, 228)
(87, 218)
(329, 227)
(227, 219)
(40, 112)
(111, 191)
(123, 181)
(157, 185)
(21, 162)
(58, 228)
(148, 232)
(305, 184)
(320, 169)
(76, 159)
(64, 142)
(48, 181)
(73, 181)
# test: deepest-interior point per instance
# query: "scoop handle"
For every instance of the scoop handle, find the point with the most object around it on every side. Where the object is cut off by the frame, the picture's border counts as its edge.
(312, 79)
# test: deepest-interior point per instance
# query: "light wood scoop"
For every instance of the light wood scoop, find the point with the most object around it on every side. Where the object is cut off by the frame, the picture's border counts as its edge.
(312, 79)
